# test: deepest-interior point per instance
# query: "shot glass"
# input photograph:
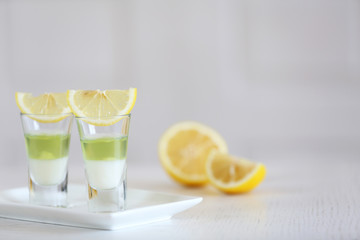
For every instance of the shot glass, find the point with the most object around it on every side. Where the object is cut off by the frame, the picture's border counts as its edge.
(47, 148)
(104, 151)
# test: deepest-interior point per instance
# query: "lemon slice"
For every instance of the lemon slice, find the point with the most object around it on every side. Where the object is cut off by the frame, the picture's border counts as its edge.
(184, 148)
(48, 107)
(233, 175)
(101, 108)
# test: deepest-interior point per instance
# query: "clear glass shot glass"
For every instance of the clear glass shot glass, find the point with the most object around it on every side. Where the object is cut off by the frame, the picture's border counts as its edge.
(47, 149)
(104, 151)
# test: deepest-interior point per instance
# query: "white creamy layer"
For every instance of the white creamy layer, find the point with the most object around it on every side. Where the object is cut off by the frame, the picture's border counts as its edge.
(48, 172)
(104, 174)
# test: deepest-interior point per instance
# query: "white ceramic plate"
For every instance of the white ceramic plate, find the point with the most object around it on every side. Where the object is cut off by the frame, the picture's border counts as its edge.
(143, 207)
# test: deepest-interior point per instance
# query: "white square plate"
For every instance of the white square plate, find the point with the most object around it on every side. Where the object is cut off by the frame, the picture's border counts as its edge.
(143, 207)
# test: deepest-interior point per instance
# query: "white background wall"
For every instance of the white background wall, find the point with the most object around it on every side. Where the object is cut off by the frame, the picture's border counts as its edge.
(276, 78)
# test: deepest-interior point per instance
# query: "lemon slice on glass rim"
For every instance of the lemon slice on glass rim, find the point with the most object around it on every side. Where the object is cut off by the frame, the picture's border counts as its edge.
(184, 148)
(101, 107)
(45, 108)
(232, 174)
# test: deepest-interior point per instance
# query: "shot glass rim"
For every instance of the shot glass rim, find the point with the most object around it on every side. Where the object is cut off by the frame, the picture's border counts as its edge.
(108, 117)
(47, 115)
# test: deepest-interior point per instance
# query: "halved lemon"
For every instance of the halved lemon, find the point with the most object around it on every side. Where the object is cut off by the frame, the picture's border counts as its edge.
(232, 174)
(184, 148)
(101, 108)
(48, 107)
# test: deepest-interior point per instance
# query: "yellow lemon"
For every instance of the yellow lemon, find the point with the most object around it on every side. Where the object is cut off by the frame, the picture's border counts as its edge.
(103, 107)
(232, 174)
(184, 148)
(48, 107)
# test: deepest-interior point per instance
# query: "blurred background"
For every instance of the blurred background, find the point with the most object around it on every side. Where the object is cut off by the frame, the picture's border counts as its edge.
(277, 79)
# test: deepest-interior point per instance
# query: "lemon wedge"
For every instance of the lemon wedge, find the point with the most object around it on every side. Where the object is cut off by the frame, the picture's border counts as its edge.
(48, 107)
(232, 174)
(184, 148)
(101, 108)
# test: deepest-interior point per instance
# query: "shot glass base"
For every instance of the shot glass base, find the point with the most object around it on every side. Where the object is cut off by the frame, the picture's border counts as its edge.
(107, 200)
(53, 196)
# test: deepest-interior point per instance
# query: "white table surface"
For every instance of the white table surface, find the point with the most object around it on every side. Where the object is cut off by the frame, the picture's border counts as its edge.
(301, 198)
